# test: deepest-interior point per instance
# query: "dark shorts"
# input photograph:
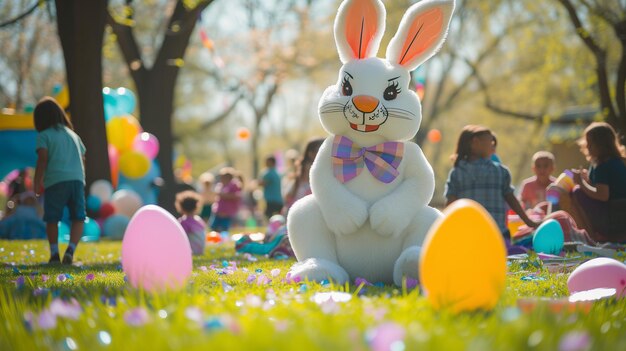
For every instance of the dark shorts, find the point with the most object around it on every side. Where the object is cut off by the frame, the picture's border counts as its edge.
(206, 211)
(273, 208)
(220, 224)
(59, 195)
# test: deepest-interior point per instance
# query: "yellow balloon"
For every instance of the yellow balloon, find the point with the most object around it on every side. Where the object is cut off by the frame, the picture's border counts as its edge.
(63, 97)
(463, 261)
(121, 132)
(133, 164)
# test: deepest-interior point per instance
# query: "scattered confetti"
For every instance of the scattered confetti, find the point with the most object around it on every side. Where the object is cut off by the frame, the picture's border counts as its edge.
(136, 317)
(387, 336)
(194, 314)
(19, 282)
(89, 277)
(66, 309)
(226, 287)
(104, 337)
(575, 341)
(61, 278)
(336, 296)
(213, 324)
(46, 320)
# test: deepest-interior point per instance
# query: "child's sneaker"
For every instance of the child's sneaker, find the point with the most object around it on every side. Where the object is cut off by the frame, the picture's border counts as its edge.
(54, 259)
(69, 256)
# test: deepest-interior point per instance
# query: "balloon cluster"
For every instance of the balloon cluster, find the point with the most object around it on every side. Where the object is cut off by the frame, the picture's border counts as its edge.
(131, 150)
(111, 210)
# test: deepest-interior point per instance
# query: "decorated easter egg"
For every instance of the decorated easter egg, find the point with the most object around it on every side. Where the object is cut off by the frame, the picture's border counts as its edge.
(156, 254)
(463, 261)
(601, 272)
(548, 238)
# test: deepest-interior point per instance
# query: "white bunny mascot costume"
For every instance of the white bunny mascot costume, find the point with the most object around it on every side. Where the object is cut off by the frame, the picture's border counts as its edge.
(371, 187)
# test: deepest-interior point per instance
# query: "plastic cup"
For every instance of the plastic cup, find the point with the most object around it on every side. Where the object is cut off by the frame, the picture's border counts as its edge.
(565, 180)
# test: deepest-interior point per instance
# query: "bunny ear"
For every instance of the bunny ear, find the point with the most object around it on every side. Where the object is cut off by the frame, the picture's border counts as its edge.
(359, 27)
(421, 33)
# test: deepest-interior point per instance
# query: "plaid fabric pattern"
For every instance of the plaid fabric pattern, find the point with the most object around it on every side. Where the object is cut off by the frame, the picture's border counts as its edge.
(382, 160)
(485, 182)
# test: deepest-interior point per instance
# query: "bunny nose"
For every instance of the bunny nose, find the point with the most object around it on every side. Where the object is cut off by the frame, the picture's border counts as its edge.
(365, 103)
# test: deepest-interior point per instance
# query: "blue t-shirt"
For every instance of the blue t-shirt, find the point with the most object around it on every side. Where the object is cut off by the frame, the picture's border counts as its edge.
(65, 155)
(271, 186)
(611, 173)
(485, 182)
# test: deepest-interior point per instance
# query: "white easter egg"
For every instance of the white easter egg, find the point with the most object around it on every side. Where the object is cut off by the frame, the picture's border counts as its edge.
(156, 254)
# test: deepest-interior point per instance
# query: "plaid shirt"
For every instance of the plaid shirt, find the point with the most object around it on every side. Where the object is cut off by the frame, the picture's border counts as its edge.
(485, 182)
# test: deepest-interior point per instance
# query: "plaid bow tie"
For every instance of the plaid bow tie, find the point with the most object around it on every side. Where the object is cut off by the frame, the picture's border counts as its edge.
(382, 160)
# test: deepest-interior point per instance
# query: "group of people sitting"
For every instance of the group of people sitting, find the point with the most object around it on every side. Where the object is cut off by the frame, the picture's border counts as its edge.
(593, 211)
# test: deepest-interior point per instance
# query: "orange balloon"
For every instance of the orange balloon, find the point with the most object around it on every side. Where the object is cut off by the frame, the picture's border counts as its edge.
(114, 175)
(434, 136)
(243, 133)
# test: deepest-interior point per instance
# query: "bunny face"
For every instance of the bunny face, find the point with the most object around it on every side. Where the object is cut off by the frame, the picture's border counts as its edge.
(371, 101)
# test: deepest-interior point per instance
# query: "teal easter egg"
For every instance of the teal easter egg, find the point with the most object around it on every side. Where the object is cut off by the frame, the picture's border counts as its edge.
(548, 237)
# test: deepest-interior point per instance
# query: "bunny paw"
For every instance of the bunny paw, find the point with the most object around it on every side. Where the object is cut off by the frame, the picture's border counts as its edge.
(407, 265)
(345, 218)
(317, 269)
(386, 221)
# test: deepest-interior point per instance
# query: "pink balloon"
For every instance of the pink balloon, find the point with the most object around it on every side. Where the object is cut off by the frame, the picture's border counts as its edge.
(600, 272)
(156, 254)
(114, 156)
(147, 144)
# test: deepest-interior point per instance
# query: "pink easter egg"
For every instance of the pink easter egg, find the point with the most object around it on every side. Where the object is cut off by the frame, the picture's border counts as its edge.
(599, 272)
(156, 254)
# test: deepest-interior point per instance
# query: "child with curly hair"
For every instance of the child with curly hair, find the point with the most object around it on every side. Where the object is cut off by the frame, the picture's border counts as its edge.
(188, 204)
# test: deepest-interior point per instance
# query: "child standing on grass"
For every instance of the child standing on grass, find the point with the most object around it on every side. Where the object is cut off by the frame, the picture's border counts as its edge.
(534, 188)
(301, 186)
(188, 204)
(475, 176)
(228, 192)
(61, 172)
(208, 195)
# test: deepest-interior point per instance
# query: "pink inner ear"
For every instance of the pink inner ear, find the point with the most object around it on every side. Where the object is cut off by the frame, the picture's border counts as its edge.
(422, 33)
(361, 24)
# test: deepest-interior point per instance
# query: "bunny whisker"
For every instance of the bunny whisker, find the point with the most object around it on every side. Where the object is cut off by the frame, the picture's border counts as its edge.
(401, 109)
(393, 115)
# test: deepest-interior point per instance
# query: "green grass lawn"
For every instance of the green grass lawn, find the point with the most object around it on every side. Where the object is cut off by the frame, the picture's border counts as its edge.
(236, 302)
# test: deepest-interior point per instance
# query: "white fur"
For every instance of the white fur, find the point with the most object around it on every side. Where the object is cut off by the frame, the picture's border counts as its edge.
(364, 227)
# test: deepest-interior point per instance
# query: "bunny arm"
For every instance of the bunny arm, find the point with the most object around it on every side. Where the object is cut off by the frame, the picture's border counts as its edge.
(343, 211)
(392, 214)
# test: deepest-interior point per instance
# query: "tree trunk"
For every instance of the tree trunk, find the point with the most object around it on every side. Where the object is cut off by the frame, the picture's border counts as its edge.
(81, 29)
(156, 96)
(155, 85)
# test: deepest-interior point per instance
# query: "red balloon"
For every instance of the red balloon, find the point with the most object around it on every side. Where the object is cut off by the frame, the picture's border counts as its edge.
(106, 210)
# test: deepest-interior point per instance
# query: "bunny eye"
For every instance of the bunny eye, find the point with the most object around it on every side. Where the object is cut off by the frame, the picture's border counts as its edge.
(346, 88)
(391, 92)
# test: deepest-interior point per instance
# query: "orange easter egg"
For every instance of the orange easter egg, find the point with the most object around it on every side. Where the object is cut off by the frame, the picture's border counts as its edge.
(463, 261)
